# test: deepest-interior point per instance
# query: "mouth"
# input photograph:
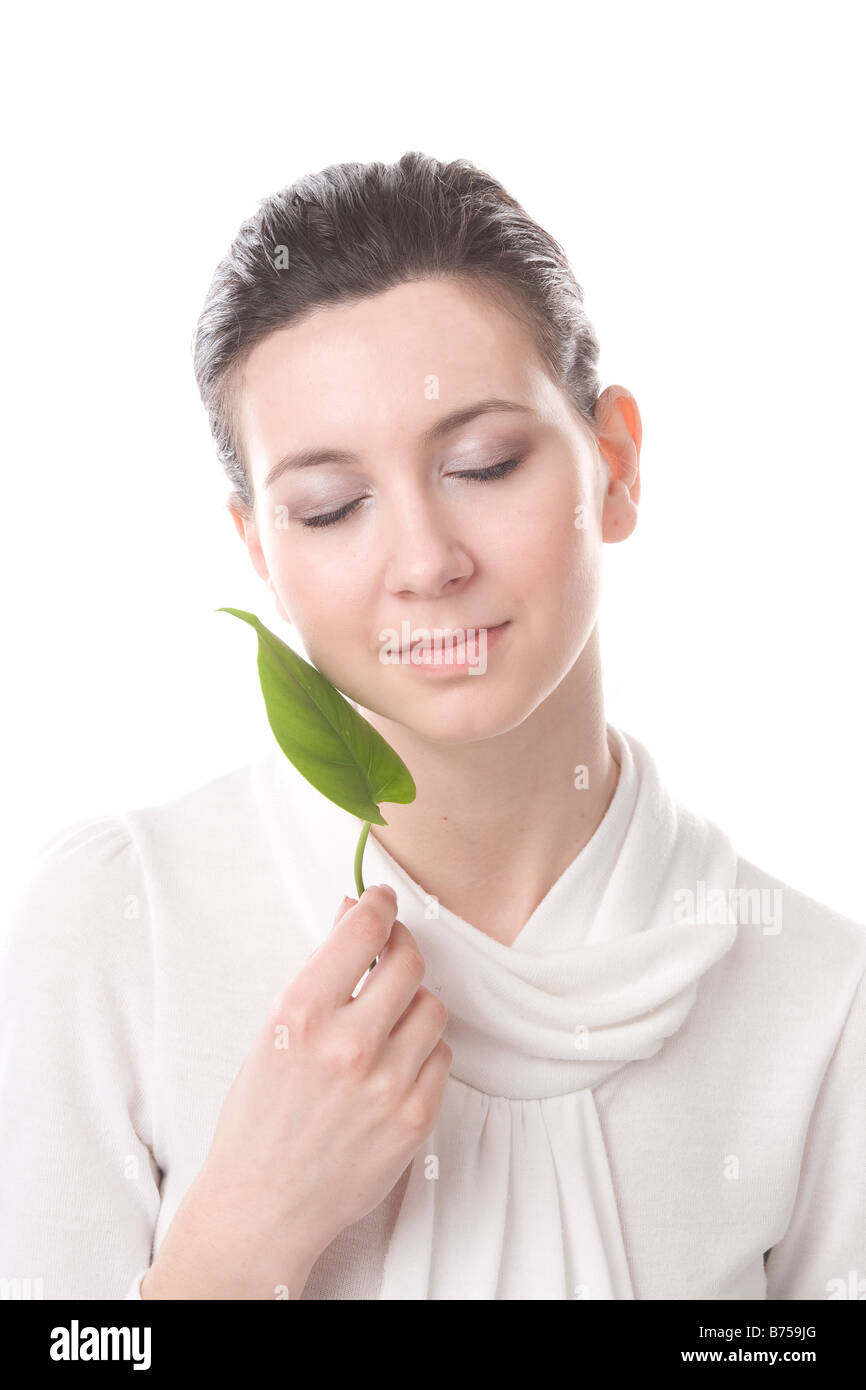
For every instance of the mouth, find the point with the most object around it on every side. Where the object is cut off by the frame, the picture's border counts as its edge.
(470, 636)
(440, 656)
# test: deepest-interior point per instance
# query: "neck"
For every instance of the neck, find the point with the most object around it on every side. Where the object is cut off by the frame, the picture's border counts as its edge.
(495, 823)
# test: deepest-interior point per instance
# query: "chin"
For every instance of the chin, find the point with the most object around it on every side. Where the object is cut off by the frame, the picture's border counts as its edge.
(468, 711)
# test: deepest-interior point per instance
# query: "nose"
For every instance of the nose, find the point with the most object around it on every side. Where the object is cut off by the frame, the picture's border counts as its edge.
(425, 555)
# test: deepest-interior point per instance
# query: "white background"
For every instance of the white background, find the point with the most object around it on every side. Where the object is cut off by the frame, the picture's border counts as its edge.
(702, 166)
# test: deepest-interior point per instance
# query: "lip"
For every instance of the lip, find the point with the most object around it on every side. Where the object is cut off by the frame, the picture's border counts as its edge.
(462, 661)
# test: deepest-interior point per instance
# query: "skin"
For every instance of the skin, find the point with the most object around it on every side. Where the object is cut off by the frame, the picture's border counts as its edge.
(497, 817)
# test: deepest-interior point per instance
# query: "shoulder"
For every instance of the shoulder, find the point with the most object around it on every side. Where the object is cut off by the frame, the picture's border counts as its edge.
(79, 883)
(92, 878)
(202, 808)
(201, 832)
(809, 934)
(794, 977)
(236, 829)
(76, 958)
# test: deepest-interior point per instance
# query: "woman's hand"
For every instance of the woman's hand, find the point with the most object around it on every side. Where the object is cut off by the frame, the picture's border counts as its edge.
(330, 1106)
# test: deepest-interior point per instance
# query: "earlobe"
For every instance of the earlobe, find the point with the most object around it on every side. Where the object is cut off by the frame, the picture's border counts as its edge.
(619, 515)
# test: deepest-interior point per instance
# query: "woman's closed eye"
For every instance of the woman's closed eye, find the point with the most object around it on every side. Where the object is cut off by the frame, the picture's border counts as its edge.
(472, 475)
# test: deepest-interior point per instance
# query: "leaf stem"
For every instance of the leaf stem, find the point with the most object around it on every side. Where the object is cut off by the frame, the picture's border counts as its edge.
(359, 855)
(359, 880)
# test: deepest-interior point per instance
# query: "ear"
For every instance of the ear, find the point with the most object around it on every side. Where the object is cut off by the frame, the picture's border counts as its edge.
(247, 528)
(620, 433)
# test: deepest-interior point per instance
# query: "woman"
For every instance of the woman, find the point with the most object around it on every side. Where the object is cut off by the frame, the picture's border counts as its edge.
(632, 1070)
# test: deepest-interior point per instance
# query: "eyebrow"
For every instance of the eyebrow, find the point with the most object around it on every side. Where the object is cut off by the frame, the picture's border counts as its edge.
(308, 458)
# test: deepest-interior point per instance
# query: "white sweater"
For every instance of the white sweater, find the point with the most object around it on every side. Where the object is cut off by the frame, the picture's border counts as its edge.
(725, 1160)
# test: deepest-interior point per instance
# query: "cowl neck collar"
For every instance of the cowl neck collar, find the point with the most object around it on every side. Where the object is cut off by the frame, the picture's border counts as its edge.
(604, 970)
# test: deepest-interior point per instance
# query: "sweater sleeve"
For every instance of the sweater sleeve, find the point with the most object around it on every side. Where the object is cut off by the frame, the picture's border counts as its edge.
(822, 1254)
(79, 1187)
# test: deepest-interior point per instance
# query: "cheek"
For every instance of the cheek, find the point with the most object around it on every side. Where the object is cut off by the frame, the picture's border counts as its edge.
(316, 586)
(546, 555)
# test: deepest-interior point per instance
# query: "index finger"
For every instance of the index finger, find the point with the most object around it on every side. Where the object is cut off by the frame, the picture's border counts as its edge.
(359, 933)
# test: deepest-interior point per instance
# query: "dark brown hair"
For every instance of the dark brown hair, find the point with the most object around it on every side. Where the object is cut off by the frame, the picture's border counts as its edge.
(356, 230)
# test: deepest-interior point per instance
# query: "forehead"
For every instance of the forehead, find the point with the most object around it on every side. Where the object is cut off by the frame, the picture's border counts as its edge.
(384, 368)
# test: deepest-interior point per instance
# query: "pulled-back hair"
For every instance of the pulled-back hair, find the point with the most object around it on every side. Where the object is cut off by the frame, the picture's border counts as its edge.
(355, 230)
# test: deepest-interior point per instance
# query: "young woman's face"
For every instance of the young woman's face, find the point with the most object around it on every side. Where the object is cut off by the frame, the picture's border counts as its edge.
(394, 532)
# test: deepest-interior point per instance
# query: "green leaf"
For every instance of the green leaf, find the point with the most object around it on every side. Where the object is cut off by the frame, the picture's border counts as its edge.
(327, 740)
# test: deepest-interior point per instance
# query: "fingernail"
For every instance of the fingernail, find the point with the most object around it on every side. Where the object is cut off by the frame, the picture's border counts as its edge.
(388, 889)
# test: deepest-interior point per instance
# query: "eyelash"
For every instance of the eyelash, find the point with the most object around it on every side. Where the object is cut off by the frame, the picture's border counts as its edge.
(474, 475)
